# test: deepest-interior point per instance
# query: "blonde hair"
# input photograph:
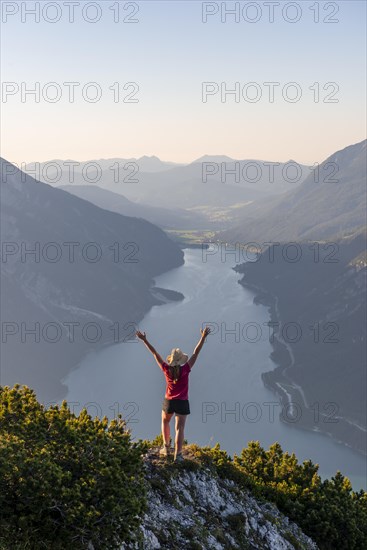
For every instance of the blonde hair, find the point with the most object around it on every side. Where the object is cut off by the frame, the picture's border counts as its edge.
(174, 372)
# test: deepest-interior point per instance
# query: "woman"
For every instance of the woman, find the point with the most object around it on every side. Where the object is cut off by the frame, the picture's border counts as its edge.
(176, 368)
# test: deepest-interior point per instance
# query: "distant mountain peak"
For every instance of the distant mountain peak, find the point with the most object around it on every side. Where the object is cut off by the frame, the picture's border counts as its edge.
(149, 157)
(214, 158)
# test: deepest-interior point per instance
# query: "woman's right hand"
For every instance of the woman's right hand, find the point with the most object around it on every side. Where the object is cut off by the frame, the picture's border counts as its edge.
(205, 332)
(141, 335)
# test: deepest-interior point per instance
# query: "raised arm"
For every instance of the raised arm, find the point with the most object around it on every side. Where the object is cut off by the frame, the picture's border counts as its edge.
(194, 356)
(143, 338)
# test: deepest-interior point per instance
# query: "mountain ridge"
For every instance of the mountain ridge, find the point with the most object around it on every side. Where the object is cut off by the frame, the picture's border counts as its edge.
(315, 209)
(89, 268)
(115, 202)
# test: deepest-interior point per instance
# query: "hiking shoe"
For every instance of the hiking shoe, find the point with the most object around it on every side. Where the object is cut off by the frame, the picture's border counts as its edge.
(165, 450)
(178, 458)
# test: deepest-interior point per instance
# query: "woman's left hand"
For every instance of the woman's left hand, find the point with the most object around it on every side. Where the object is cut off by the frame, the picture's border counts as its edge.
(141, 335)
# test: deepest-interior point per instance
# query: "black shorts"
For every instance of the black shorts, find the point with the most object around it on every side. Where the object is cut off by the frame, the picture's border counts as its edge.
(179, 406)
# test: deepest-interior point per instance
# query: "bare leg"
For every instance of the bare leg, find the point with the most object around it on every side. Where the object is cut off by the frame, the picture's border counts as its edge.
(180, 428)
(166, 417)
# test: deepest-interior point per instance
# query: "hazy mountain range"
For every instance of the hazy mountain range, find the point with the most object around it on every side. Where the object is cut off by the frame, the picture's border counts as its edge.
(207, 186)
(321, 209)
(167, 218)
(145, 163)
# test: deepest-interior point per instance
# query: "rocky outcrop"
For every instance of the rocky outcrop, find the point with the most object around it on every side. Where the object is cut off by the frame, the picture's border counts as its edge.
(191, 507)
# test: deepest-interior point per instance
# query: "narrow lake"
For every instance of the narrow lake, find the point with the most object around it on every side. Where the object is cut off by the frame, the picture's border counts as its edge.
(229, 403)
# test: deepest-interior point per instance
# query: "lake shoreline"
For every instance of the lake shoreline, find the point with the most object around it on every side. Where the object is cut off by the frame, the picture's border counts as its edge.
(160, 296)
(285, 388)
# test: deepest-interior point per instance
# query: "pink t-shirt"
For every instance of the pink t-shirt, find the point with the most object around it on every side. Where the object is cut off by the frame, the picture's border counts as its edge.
(180, 390)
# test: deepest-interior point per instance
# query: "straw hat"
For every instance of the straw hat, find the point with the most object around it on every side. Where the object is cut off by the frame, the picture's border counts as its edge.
(177, 357)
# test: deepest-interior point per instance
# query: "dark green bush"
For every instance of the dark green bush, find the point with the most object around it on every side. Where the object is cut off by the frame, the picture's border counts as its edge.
(65, 480)
(328, 511)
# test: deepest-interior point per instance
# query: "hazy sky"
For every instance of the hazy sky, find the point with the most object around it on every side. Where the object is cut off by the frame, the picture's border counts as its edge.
(169, 53)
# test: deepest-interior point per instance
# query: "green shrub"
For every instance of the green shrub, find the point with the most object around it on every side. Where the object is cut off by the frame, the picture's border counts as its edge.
(220, 461)
(328, 511)
(65, 480)
(158, 441)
